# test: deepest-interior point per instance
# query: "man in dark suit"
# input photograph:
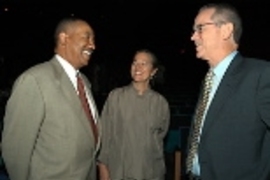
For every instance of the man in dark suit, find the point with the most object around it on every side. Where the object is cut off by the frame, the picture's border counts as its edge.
(234, 141)
(47, 134)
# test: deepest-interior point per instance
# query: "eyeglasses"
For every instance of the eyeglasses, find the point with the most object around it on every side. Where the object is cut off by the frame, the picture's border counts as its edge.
(198, 28)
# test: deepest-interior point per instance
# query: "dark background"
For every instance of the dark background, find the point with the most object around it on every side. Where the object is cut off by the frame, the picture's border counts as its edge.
(122, 27)
(26, 35)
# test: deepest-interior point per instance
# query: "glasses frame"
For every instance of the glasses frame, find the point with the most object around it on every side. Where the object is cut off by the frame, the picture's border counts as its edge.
(199, 27)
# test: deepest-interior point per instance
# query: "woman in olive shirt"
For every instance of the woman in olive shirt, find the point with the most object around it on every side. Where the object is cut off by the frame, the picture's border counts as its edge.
(135, 121)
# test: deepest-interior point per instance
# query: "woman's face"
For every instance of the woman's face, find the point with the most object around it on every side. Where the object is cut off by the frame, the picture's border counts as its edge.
(142, 68)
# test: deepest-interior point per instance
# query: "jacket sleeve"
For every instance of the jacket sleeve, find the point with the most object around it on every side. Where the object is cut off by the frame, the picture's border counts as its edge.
(263, 96)
(165, 118)
(23, 116)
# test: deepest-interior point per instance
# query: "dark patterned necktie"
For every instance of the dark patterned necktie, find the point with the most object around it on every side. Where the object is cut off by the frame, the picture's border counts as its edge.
(86, 107)
(198, 119)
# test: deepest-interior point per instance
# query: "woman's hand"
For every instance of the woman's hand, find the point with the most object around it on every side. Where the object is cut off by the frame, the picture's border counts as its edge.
(103, 172)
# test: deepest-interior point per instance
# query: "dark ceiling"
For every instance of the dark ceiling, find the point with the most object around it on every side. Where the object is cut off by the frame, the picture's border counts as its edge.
(121, 27)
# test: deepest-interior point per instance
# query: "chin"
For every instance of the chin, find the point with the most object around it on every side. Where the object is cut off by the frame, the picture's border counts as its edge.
(86, 62)
(199, 56)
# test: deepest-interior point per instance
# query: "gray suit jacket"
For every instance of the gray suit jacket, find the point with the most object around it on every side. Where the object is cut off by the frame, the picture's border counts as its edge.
(46, 132)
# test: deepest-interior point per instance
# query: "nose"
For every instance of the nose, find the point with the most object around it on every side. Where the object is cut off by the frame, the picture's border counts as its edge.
(92, 44)
(137, 66)
(193, 35)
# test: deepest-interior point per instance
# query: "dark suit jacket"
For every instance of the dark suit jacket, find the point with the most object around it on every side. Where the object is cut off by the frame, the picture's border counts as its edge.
(46, 132)
(235, 140)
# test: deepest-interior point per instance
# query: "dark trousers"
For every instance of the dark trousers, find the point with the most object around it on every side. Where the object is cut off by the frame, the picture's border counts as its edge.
(194, 177)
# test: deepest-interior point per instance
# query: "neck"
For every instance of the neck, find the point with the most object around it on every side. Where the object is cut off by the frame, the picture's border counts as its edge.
(215, 61)
(140, 87)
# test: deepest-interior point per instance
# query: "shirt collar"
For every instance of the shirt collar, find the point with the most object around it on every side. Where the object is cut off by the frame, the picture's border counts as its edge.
(221, 68)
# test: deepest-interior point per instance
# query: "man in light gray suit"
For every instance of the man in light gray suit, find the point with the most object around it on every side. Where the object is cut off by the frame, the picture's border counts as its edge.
(47, 134)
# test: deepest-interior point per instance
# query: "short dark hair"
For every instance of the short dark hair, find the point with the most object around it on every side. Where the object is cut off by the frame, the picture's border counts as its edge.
(65, 24)
(225, 13)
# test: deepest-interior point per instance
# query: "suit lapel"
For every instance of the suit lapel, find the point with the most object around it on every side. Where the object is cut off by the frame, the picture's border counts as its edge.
(71, 96)
(226, 88)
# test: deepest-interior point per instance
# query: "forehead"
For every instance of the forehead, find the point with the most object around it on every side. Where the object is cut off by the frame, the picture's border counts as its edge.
(81, 26)
(204, 16)
(142, 56)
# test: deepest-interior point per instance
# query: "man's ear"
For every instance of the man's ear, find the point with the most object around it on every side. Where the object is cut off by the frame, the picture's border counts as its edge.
(227, 30)
(62, 38)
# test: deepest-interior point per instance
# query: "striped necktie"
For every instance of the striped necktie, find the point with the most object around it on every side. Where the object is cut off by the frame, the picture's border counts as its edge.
(198, 119)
